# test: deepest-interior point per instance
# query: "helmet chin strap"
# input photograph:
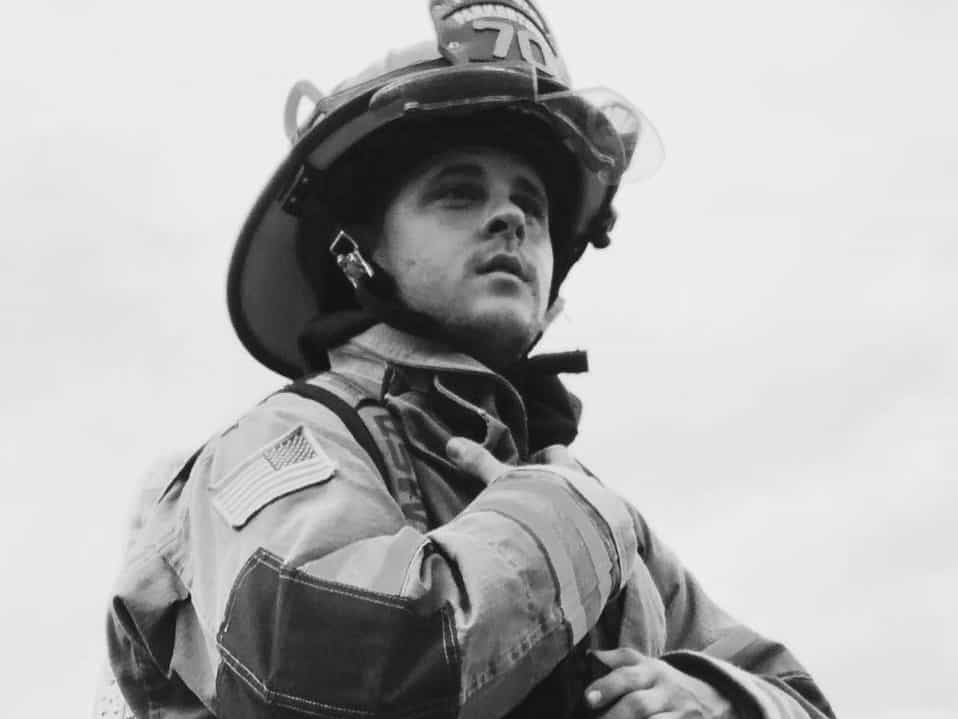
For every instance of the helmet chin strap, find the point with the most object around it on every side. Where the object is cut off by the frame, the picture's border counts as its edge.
(376, 293)
(552, 412)
(376, 289)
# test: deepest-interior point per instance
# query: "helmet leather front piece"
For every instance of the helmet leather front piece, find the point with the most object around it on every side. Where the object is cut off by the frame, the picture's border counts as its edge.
(503, 31)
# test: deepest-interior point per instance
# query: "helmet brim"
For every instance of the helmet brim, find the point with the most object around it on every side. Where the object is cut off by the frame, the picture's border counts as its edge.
(272, 294)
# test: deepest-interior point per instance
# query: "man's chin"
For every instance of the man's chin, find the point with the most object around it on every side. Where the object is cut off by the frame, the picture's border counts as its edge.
(498, 333)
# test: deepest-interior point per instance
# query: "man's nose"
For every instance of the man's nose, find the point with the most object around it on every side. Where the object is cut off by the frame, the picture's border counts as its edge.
(508, 220)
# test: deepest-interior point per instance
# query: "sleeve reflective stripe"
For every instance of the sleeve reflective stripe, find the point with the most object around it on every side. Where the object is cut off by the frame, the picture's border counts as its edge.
(802, 688)
(747, 691)
(567, 594)
(573, 519)
(333, 650)
(573, 549)
(609, 506)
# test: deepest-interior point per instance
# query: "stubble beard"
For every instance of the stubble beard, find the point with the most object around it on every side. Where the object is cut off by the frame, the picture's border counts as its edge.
(496, 340)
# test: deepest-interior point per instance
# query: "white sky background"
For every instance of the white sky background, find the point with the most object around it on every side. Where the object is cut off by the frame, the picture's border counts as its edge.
(772, 334)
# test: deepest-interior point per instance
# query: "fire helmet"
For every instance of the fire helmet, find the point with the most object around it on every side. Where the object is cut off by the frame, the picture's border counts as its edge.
(494, 76)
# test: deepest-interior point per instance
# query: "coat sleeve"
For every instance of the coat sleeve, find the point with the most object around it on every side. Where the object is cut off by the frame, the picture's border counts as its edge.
(314, 598)
(761, 677)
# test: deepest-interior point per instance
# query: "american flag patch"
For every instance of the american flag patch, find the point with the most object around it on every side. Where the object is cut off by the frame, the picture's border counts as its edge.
(291, 462)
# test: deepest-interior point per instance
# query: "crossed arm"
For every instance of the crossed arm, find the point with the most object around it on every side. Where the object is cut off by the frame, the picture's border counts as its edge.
(701, 639)
(636, 686)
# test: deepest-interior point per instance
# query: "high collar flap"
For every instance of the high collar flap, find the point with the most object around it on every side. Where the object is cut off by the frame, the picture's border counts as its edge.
(409, 350)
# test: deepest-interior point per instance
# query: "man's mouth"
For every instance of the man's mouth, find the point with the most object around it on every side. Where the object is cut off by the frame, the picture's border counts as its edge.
(504, 262)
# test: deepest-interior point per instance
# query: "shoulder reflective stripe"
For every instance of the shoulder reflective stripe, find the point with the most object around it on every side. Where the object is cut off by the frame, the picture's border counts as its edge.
(329, 649)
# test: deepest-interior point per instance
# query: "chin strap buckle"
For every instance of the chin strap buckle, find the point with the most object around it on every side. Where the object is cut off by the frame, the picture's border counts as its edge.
(350, 258)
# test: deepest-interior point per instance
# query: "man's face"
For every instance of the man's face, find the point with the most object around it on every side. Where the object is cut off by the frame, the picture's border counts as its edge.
(467, 241)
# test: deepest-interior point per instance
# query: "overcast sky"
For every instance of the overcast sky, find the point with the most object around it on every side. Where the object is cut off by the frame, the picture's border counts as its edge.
(772, 333)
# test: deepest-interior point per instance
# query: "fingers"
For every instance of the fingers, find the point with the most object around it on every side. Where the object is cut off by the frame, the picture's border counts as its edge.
(621, 657)
(635, 705)
(474, 459)
(639, 687)
(477, 461)
(629, 687)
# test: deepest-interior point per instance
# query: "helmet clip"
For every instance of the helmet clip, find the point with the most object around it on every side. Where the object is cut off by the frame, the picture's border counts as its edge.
(350, 259)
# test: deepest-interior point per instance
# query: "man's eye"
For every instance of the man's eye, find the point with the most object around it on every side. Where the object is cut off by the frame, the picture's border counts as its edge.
(460, 193)
(532, 206)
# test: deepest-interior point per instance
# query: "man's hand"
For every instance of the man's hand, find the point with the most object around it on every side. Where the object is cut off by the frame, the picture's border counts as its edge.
(476, 460)
(639, 687)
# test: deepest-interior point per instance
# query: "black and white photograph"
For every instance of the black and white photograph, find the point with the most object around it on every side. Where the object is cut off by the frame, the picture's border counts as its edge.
(423, 359)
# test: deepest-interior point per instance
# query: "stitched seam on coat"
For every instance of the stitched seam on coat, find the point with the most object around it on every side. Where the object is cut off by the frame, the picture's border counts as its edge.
(292, 701)
(264, 558)
(374, 597)
(532, 640)
(240, 580)
(407, 575)
(272, 561)
(270, 695)
(450, 646)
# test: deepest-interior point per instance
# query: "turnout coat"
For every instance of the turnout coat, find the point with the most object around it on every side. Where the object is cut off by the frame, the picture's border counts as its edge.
(322, 557)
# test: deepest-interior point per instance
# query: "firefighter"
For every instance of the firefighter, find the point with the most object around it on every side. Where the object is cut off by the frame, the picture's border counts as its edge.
(402, 530)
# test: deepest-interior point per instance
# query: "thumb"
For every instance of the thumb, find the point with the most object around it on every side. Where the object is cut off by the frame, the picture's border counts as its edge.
(474, 459)
(621, 657)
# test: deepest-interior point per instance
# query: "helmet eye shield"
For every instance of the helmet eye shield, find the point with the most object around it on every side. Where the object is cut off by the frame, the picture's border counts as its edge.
(611, 137)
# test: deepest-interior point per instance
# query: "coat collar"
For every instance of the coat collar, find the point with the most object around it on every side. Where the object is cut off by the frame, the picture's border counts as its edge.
(389, 345)
(459, 378)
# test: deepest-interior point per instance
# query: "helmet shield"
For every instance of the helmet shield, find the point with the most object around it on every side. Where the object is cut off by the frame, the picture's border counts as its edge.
(602, 128)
